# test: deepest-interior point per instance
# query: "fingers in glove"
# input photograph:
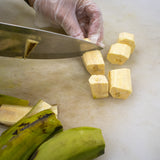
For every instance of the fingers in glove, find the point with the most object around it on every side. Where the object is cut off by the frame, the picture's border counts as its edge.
(65, 16)
(84, 25)
(71, 26)
(95, 30)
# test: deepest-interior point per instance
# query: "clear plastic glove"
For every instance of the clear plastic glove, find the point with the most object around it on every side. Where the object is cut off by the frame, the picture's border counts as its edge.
(79, 18)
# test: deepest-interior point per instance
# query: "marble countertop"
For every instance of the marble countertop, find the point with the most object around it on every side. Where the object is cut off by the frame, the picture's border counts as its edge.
(130, 127)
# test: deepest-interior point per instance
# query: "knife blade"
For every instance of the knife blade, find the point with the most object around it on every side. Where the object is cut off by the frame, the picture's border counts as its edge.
(51, 45)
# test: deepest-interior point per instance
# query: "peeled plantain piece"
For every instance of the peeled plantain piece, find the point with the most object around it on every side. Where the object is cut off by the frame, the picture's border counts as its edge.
(10, 114)
(119, 53)
(127, 38)
(42, 105)
(99, 86)
(120, 85)
(93, 62)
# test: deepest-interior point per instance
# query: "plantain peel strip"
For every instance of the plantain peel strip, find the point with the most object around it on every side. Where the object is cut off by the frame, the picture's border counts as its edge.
(22, 139)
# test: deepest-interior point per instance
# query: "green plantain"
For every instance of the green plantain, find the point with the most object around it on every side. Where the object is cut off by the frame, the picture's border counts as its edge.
(82, 143)
(23, 138)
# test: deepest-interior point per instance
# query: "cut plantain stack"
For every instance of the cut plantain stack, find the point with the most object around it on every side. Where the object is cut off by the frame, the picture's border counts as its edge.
(119, 85)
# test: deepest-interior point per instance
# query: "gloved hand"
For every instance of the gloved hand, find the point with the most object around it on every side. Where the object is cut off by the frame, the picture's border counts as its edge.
(79, 18)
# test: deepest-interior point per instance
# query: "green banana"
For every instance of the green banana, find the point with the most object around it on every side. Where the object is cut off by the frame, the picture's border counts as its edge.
(82, 143)
(23, 138)
(4, 99)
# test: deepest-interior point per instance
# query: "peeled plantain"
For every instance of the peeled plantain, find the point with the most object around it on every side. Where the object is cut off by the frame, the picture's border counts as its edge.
(23, 138)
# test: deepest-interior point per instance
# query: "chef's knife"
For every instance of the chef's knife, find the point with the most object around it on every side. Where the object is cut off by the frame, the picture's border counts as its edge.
(51, 45)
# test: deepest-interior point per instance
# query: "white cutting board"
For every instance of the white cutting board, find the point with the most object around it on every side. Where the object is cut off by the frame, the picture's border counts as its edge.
(130, 127)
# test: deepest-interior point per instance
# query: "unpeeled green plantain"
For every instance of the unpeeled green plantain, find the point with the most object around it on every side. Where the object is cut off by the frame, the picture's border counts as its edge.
(82, 143)
(23, 138)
